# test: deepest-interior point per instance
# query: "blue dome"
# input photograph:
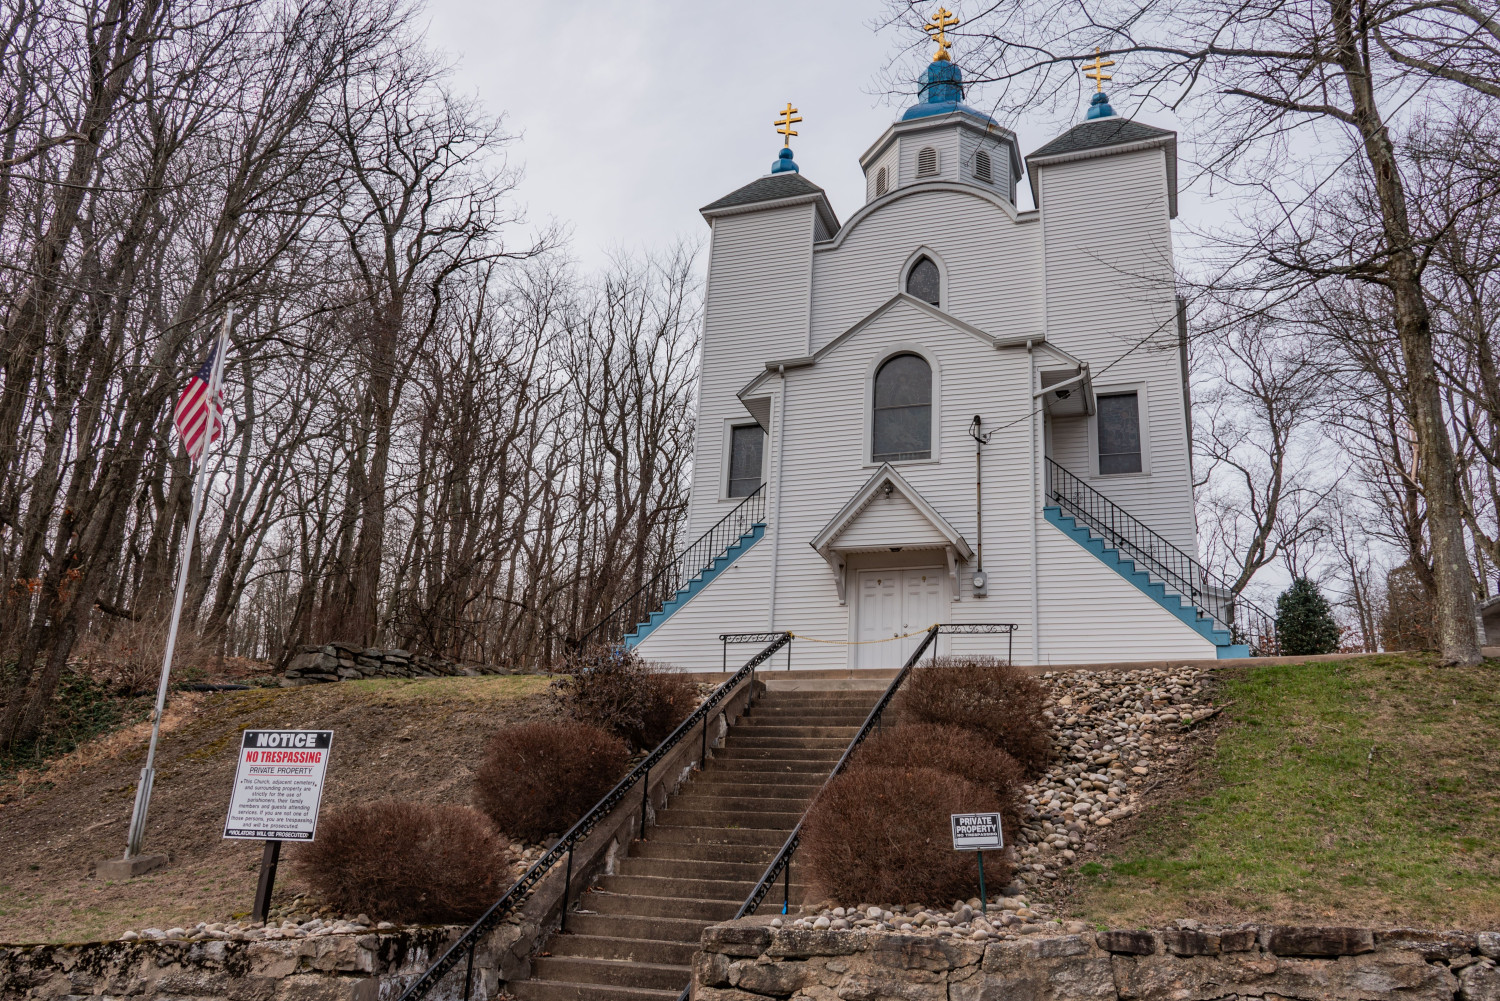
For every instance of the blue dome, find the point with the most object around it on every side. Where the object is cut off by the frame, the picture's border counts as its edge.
(785, 163)
(942, 94)
(1099, 106)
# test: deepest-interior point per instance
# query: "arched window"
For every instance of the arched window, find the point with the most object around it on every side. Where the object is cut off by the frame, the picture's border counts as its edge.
(927, 162)
(924, 282)
(882, 182)
(982, 166)
(902, 425)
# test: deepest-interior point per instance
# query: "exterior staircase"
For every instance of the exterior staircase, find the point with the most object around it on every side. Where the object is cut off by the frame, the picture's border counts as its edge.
(696, 583)
(634, 934)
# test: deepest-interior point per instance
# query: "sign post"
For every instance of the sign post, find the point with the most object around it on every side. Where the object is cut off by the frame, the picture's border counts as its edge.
(278, 790)
(978, 833)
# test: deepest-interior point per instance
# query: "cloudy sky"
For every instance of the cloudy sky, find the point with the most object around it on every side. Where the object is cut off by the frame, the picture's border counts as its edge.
(634, 114)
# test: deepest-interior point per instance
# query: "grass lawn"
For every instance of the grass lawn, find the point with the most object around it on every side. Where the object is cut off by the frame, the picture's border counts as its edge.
(1356, 790)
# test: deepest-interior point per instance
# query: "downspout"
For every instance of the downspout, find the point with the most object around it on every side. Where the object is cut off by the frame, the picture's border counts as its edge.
(1036, 625)
(776, 507)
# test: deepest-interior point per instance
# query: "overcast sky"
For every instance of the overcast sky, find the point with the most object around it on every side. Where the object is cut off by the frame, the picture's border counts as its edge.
(634, 115)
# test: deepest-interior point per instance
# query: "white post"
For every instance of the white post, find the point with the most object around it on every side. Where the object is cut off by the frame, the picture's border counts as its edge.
(200, 481)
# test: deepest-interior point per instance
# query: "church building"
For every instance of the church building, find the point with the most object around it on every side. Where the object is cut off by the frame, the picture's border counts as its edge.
(945, 409)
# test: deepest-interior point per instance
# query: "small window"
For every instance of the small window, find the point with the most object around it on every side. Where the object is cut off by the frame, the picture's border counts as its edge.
(924, 282)
(1119, 434)
(927, 163)
(747, 450)
(902, 425)
(982, 166)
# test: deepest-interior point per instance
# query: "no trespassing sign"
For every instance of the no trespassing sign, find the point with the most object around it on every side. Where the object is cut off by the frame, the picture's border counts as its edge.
(278, 785)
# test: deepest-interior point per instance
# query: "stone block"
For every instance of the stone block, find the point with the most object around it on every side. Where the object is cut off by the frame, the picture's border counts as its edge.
(1480, 982)
(725, 994)
(1127, 942)
(736, 939)
(876, 987)
(1238, 939)
(1429, 944)
(1188, 942)
(1488, 943)
(1318, 940)
(1015, 971)
(120, 868)
(711, 969)
(771, 978)
(800, 943)
(919, 952)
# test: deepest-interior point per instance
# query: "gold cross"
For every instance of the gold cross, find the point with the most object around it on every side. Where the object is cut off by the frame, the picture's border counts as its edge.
(937, 26)
(784, 124)
(1095, 71)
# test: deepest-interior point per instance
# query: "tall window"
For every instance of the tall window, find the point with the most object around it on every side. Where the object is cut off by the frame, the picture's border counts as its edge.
(747, 450)
(1119, 433)
(982, 166)
(927, 162)
(882, 182)
(903, 410)
(924, 281)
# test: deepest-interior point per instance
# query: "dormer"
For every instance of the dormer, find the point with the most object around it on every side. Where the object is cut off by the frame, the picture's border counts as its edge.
(942, 139)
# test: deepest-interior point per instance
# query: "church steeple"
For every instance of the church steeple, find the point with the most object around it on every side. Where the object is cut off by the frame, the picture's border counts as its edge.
(784, 162)
(1099, 105)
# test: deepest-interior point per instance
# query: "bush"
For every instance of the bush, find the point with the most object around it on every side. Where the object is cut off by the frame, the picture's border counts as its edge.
(538, 779)
(954, 750)
(1304, 620)
(989, 696)
(1408, 621)
(882, 835)
(626, 696)
(412, 862)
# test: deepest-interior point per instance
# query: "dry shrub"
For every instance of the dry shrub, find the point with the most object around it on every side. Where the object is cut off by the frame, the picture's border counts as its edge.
(538, 779)
(127, 655)
(950, 749)
(633, 699)
(412, 862)
(988, 696)
(883, 835)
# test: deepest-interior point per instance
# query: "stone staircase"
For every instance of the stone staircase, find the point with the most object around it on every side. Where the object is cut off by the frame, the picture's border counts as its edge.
(634, 933)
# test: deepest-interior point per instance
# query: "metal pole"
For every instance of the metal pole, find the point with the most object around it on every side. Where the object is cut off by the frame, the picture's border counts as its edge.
(269, 856)
(137, 830)
(725, 666)
(645, 800)
(788, 653)
(984, 905)
(469, 971)
(567, 886)
(703, 742)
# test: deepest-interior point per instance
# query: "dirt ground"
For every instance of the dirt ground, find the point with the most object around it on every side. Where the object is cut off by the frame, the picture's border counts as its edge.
(403, 739)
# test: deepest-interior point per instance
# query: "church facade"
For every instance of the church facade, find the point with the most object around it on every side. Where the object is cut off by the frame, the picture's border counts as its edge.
(944, 409)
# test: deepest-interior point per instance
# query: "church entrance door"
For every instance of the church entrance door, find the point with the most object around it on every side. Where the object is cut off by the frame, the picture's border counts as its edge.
(893, 603)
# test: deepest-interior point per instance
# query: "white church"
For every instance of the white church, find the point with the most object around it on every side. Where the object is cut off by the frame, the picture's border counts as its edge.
(945, 409)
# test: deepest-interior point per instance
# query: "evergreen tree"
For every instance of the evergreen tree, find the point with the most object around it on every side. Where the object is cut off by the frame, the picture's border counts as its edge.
(1304, 620)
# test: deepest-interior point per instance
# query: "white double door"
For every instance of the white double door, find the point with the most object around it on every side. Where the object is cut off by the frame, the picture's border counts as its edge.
(893, 603)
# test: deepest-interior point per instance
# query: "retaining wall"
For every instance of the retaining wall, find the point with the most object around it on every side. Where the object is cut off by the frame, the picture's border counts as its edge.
(748, 961)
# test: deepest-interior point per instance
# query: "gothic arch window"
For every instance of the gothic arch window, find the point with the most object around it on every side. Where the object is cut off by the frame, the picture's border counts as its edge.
(927, 161)
(982, 166)
(882, 182)
(901, 425)
(925, 282)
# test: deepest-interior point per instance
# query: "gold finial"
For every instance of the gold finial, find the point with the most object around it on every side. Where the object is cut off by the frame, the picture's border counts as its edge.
(784, 124)
(937, 26)
(1095, 71)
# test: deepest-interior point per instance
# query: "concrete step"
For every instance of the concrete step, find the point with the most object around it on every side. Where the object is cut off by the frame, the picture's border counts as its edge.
(813, 743)
(809, 716)
(612, 972)
(761, 820)
(641, 906)
(636, 950)
(732, 806)
(552, 990)
(630, 926)
(656, 848)
(751, 786)
(767, 767)
(754, 729)
(689, 834)
(735, 890)
(692, 869)
(816, 754)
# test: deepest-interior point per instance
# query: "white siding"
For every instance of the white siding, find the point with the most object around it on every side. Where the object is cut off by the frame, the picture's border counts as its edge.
(888, 518)
(945, 141)
(971, 143)
(1109, 287)
(891, 162)
(734, 602)
(993, 264)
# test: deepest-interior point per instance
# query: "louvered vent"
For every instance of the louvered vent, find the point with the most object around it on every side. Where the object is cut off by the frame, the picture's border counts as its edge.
(882, 182)
(926, 161)
(982, 166)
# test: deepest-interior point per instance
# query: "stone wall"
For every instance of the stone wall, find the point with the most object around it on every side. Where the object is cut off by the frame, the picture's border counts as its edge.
(337, 661)
(751, 961)
(375, 966)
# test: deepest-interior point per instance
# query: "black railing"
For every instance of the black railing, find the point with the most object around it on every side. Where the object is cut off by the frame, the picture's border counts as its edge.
(781, 865)
(728, 638)
(1245, 622)
(521, 890)
(671, 578)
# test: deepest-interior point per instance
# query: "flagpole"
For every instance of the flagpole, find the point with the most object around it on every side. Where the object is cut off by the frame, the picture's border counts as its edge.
(200, 480)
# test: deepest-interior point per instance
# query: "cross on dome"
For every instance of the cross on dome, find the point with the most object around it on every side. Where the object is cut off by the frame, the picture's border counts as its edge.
(784, 122)
(937, 26)
(1095, 71)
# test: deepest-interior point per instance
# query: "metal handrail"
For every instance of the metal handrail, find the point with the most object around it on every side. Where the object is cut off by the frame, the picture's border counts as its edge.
(520, 891)
(781, 865)
(688, 564)
(1205, 590)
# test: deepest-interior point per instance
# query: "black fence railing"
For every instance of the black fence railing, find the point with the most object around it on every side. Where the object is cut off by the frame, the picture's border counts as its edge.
(1245, 621)
(562, 851)
(671, 578)
(781, 865)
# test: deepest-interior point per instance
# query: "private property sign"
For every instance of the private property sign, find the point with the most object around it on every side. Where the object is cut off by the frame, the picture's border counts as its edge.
(278, 785)
(977, 832)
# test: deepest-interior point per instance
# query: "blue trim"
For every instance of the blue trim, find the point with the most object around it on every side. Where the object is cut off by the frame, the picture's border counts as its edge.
(1190, 615)
(691, 589)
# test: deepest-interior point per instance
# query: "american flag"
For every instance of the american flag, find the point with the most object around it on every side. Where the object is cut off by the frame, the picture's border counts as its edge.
(192, 415)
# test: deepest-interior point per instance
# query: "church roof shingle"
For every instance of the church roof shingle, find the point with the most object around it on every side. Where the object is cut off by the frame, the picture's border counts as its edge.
(766, 189)
(1110, 131)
